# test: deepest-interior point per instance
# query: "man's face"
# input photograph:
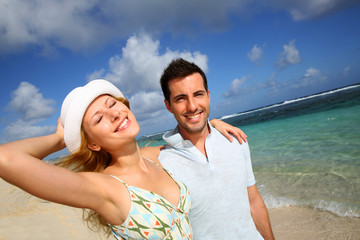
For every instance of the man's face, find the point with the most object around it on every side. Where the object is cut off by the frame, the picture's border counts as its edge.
(190, 103)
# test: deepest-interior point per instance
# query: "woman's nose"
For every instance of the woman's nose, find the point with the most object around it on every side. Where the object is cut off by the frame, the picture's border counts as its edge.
(114, 115)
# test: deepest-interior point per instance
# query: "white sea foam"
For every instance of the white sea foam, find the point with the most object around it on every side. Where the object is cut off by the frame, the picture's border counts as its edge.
(277, 202)
(340, 209)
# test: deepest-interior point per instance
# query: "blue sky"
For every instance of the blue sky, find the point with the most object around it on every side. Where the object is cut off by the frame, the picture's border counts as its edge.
(255, 53)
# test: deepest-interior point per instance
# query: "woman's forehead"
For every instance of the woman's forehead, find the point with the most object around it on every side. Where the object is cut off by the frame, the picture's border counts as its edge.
(97, 103)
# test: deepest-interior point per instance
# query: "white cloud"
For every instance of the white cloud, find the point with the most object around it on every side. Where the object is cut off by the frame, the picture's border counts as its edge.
(96, 74)
(235, 86)
(24, 129)
(32, 107)
(141, 64)
(30, 103)
(147, 105)
(242, 87)
(301, 10)
(255, 54)
(312, 77)
(312, 72)
(88, 25)
(149, 109)
(290, 55)
(68, 24)
(308, 9)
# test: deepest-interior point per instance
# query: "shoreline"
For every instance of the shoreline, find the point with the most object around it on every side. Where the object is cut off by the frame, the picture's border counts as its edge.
(23, 216)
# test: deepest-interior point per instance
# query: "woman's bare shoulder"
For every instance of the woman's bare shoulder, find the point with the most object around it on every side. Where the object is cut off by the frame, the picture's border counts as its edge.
(151, 152)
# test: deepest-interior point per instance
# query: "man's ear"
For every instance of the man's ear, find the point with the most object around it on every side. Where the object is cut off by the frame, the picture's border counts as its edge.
(168, 107)
(94, 147)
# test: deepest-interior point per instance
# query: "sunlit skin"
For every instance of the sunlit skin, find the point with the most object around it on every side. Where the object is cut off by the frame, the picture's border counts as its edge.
(190, 104)
(109, 124)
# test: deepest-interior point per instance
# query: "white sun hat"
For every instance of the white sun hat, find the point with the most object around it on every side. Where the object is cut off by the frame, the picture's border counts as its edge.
(75, 105)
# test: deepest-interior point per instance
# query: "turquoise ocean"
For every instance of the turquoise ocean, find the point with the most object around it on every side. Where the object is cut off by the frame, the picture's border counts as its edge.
(305, 151)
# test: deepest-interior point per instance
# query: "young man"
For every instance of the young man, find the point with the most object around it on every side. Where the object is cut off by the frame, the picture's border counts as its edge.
(225, 201)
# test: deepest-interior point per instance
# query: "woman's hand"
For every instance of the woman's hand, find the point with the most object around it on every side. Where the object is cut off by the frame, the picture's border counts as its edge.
(226, 129)
(60, 132)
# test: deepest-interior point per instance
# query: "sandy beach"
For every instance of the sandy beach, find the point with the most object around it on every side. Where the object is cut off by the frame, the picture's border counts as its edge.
(25, 217)
(297, 223)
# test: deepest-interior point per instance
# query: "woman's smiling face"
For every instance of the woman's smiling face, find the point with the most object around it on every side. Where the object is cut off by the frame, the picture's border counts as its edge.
(109, 124)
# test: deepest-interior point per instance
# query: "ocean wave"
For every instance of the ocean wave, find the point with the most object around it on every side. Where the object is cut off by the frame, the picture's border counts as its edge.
(320, 94)
(340, 209)
(291, 101)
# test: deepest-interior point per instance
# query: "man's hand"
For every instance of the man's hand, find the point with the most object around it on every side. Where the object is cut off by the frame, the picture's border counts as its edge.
(226, 129)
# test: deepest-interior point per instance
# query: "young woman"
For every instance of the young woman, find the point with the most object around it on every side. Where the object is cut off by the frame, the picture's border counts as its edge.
(131, 195)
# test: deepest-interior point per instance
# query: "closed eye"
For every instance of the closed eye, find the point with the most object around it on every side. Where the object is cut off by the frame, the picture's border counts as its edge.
(109, 102)
(99, 119)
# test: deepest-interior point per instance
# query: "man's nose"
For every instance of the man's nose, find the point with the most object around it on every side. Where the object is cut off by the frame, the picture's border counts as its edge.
(191, 105)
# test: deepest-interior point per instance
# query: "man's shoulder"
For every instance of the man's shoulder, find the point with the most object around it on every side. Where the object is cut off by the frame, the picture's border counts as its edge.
(166, 150)
(175, 156)
(219, 138)
(171, 158)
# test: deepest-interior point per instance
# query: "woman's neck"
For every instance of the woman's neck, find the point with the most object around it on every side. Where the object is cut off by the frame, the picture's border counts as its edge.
(128, 159)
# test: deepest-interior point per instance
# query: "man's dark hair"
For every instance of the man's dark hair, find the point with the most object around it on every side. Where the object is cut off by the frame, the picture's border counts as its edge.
(179, 68)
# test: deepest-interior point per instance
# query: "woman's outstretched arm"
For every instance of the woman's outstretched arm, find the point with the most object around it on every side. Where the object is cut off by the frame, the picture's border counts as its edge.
(21, 165)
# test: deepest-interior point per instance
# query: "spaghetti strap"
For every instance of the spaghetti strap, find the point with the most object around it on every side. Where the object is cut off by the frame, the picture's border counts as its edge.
(118, 179)
(149, 160)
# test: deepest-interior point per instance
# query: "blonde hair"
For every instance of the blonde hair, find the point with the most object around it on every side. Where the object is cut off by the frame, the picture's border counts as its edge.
(86, 160)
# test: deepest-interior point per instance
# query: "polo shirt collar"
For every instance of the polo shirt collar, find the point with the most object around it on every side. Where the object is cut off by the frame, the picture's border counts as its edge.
(174, 139)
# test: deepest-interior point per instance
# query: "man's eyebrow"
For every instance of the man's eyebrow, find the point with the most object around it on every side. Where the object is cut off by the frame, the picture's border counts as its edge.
(200, 91)
(184, 95)
(180, 95)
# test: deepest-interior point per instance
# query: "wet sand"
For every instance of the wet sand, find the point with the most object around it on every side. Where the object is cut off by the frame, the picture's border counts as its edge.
(25, 217)
(295, 223)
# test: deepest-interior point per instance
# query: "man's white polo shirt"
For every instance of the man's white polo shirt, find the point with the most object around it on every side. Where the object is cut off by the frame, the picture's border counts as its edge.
(217, 184)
